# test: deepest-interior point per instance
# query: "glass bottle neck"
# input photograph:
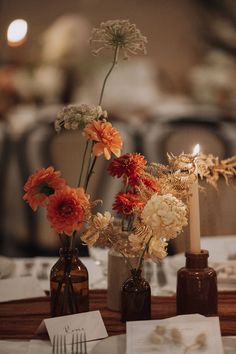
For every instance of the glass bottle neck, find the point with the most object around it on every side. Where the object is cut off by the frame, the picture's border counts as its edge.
(136, 273)
(197, 260)
(68, 252)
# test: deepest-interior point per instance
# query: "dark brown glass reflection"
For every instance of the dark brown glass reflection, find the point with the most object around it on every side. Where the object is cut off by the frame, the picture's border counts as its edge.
(197, 286)
(135, 298)
(69, 285)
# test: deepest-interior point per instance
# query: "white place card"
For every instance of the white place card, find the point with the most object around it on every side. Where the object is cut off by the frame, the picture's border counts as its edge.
(91, 322)
(20, 288)
(176, 335)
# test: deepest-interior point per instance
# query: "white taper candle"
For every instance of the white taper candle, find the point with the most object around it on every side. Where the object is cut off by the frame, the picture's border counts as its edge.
(194, 214)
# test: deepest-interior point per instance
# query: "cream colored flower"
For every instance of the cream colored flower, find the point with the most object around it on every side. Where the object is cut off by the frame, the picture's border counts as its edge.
(139, 237)
(78, 116)
(119, 34)
(157, 249)
(165, 214)
(98, 224)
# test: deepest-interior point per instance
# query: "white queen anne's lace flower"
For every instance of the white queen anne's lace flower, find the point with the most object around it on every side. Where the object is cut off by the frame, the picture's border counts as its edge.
(78, 116)
(119, 34)
(165, 214)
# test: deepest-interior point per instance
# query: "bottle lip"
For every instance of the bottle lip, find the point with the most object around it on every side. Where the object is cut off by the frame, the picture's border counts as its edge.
(197, 260)
(202, 254)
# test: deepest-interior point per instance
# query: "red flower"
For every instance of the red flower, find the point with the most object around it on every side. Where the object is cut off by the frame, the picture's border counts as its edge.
(41, 185)
(127, 203)
(67, 209)
(131, 166)
(151, 184)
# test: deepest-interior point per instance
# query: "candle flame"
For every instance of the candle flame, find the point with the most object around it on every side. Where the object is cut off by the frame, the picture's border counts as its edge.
(196, 149)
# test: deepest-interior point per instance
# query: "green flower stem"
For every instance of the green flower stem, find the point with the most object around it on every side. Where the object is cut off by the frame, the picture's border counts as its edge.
(83, 162)
(62, 241)
(57, 296)
(73, 297)
(72, 239)
(142, 255)
(116, 54)
(90, 169)
(130, 222)
(90, 173)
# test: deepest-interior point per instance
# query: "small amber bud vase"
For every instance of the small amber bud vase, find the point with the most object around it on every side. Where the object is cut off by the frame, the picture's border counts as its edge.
(69, 285)
(197, 286)
(135, 298)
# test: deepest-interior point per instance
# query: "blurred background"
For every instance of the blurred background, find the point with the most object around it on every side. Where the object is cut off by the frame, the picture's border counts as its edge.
(182, 93)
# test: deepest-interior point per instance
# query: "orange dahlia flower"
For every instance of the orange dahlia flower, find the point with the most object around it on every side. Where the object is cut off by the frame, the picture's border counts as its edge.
(40, 185)
(127, 203)
(67, 209)
(130, 165)
(107, 139)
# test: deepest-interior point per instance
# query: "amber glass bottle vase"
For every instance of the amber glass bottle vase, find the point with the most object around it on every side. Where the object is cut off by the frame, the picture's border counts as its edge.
(197, 286)
(69, 284)
(135, 298)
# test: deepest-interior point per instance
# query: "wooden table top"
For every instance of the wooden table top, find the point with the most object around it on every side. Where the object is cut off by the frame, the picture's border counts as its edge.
(20, 319)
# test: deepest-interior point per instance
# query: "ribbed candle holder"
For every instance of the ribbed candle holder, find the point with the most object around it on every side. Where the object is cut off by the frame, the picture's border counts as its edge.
(197, 286)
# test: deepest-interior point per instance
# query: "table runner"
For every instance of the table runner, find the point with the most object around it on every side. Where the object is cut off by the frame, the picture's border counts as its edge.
(20, 319)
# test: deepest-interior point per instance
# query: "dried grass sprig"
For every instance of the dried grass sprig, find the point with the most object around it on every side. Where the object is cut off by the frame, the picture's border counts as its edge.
(211, 168)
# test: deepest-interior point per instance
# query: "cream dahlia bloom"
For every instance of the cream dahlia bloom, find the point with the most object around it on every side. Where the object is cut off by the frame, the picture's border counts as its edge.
(157, 249)
(165, 214)
(99, 223)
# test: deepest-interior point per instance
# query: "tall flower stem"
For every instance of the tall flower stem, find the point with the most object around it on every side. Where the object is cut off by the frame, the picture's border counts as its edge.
(116, 54)
(90, 172)
(83, 162)
(114, 62)
(142, 255)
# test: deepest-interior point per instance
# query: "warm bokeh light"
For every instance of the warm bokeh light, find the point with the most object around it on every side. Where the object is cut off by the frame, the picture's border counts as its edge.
(16, 33)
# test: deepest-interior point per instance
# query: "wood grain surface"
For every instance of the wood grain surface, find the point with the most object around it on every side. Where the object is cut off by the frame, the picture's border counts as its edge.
(20, 319)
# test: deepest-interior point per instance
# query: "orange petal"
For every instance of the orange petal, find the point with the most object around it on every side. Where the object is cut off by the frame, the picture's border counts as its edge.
(98, 149)
(107, 154)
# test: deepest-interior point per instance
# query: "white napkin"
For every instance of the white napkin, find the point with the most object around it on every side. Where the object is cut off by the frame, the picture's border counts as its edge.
(20, 288)
(175, 335)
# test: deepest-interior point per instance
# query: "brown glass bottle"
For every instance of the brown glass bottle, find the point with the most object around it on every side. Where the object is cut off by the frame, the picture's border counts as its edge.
(69, 285)
(135, 298)
(197, 286)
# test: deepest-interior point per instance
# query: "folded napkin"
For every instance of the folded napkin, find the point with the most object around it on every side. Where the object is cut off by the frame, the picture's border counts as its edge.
(20, 288)
(176, 335)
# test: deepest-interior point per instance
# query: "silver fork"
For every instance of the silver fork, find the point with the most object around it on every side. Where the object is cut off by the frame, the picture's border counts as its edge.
(59, 344)
(79, 345)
